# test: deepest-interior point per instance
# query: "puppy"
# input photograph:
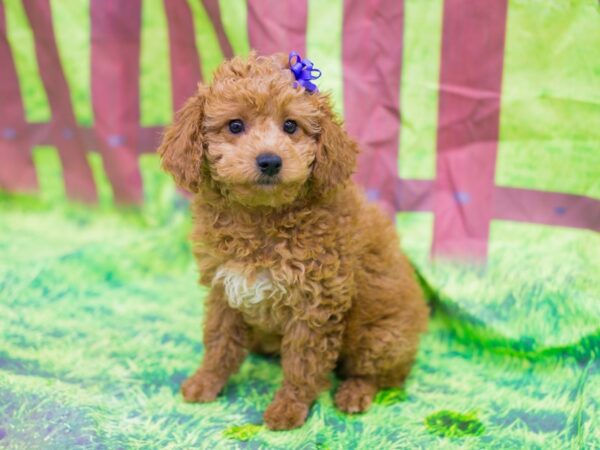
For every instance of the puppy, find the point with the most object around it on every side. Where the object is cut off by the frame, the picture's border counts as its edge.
(297, 261)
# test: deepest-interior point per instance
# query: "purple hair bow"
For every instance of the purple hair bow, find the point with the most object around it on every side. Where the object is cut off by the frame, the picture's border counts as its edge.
(304, 72)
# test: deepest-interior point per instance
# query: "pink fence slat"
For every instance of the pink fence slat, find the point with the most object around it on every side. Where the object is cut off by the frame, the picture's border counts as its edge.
(277, 26)
(17, 171)
(469, 110)
(77, 174)
(149, 139)
(413, 195)
(214, 13)
(514, 204)
(371, 56)
(40, 134)
(549, 208)
(116, 29)
(185, 64)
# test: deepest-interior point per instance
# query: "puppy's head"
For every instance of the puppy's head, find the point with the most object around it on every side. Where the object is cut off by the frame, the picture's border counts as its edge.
(256, 139)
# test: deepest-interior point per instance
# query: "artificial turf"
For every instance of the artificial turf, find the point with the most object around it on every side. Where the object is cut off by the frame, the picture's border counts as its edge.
(100, 319)
(100, 312)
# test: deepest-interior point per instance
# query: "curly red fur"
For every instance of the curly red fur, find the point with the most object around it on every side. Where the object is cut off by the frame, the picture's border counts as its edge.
(331, 288)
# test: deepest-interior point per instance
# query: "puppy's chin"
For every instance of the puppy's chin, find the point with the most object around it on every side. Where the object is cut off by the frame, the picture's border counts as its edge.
(264, 193)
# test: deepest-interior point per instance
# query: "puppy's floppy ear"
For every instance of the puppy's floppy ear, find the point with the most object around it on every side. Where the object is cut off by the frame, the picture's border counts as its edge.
(335, 160)
(181, 149)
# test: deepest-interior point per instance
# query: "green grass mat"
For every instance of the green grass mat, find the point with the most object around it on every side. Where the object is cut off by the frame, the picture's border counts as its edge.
(100, 319)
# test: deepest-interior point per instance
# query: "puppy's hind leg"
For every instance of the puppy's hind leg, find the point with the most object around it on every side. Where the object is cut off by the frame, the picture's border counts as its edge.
(381, 339)
(381, 358)
(355, 394)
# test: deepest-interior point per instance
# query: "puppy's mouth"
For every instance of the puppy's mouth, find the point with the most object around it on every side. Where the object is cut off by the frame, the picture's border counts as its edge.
(266, 180)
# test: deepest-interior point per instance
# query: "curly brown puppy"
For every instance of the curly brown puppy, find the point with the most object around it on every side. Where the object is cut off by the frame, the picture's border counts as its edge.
(298, 262)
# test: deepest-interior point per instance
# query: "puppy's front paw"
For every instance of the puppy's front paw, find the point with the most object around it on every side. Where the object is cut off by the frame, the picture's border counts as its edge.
(285, 414)
(201, 387)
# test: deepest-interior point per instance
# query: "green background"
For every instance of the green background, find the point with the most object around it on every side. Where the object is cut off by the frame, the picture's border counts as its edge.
(100, 311)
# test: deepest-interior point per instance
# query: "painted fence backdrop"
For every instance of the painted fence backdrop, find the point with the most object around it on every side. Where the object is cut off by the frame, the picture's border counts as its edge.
(471, 111)
(480, 128)
(479, 121)
(468, 45)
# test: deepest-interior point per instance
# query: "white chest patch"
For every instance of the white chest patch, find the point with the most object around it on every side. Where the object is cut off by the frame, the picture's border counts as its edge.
(244, 293)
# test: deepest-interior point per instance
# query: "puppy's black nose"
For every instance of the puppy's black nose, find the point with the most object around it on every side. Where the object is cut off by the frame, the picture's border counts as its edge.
(268, 163)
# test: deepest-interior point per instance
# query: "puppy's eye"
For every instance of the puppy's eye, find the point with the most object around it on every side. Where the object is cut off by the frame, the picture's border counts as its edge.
(290, 126)
(236, 126)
